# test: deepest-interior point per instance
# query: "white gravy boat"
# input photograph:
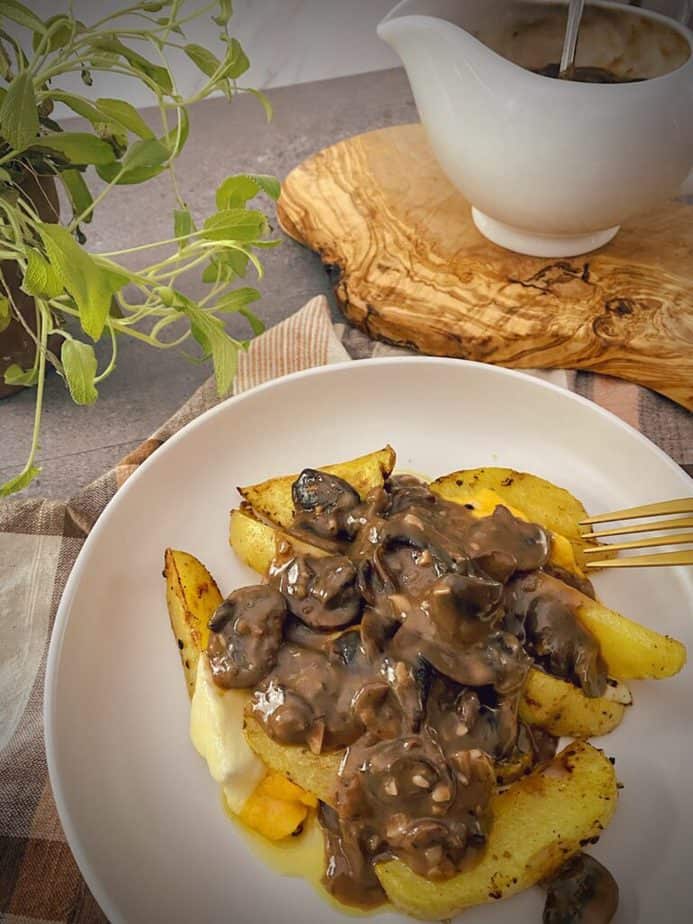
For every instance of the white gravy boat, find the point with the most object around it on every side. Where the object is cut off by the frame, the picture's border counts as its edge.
(551, 167)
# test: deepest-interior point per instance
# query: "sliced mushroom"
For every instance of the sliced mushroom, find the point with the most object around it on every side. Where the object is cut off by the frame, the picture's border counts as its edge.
(322, 503)
(582, 892)
(527, 544)
(245, 636)
(320, 591)
(557, 639)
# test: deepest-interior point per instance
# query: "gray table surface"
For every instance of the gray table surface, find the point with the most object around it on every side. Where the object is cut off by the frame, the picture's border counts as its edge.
(78, 444)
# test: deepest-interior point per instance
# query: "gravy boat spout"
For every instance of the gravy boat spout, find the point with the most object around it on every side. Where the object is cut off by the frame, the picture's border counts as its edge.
(550, 167)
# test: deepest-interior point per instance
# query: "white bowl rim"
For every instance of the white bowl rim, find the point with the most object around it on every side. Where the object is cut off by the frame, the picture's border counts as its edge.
(568, 86)
(94, 882)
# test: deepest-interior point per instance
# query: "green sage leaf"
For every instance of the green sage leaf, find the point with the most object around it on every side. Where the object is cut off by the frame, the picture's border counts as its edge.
(77, 147)
(115, 113)
(40, 278)
(148, 153)
(264, 101)
(209, 332)
(90, 283)
(129, 177)
(203, 58)
(60, 35)
(235, 191)
(79, 367)
(225, 13)
(5, 313)
(236, 61)
(143, 160)
(236, 300)
(77, 104)
(237, 261)
(216, 271)
(23, 16)
(15, 375)
(22, 60)
(124, 114)
(78, 192)
(19, 123)
(225, 267)
(238, 189)
(257, 326)
(21, 481)
(183, 225)
(268, 184)
(5, 64)
(156, 73)
(234, 225)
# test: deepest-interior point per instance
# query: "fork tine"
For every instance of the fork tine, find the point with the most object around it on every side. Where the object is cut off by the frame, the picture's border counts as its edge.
(645, 561)
(669, 539)
(681, 505)
(674, 523)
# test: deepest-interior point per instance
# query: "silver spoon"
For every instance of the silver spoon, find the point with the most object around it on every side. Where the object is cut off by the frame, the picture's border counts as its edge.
(575, 8)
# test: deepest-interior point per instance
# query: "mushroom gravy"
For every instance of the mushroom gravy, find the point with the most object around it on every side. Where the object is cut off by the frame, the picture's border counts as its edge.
(406, 638)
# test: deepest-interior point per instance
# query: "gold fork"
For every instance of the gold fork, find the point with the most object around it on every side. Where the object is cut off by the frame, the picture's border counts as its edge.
(665, 508)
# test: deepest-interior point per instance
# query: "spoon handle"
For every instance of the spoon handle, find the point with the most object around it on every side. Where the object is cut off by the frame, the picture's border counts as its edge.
(572, 31)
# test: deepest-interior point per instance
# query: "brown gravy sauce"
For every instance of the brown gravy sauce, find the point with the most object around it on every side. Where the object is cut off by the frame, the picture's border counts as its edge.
(406, 641)
(585, 74)
(614, 45)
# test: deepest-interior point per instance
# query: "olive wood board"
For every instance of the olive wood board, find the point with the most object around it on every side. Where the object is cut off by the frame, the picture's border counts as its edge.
(412, 269)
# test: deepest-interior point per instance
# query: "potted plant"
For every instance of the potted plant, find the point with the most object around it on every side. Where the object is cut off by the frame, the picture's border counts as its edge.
(56, 296)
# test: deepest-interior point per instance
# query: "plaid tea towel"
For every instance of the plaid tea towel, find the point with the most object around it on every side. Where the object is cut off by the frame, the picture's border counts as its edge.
(40, 540)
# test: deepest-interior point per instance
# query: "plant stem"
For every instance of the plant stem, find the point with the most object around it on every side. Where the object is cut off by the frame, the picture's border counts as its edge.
(97, 199)
(114, 352)
(40, 384)
(121, 253)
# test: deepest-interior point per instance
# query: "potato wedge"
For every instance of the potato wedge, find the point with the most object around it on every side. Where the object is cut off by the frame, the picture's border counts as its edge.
(315, 773)
(277, 808)
(563, 710)
(192, 597)
(541, 501)
(278, 786)
(539, 822)
(272, 498)
(631, 650)
(274, 819)
(255, 542)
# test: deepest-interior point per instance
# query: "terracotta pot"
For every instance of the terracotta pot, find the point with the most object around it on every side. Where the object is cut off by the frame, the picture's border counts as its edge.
(16, 345)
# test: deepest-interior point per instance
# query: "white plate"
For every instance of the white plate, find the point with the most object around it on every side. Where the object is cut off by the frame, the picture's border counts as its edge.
(140, 812)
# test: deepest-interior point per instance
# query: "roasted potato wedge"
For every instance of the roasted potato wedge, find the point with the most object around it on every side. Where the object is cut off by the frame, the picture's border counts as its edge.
(192, 596)
(563, 710)
(255, 542)
(277, 808)
(541, 501)
(272, 498)
(539, 822)
(631, 650)
(315, 773)
(278, 786)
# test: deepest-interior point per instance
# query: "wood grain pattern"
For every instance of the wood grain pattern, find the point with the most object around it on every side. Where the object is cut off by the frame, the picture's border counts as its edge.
(413, 270)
